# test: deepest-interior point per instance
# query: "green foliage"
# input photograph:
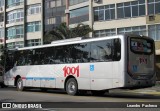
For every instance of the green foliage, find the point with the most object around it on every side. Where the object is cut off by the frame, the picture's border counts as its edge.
(64, 32)
(2, 55)
(81, 30)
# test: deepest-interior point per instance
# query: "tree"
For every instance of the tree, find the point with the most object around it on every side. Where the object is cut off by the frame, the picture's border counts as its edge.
(64, 32)
(2, 55)
(81, 30)
(2, 59)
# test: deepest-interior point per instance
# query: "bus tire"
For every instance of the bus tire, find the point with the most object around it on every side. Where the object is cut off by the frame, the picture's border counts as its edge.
(2, 85)
(72, 87)
(19, 85)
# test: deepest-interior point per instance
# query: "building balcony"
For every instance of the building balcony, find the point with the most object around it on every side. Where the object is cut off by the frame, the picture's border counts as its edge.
(1, 24)
(14, 24)
(2, 9)
(2, 40)
(14, 40)
(10, 8)
(15, 4)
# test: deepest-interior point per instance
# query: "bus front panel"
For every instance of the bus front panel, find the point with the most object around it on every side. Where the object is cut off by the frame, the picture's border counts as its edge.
(141, 62)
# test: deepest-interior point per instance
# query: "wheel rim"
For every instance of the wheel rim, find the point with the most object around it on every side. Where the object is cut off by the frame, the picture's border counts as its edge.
(71, 87)
(20, 85)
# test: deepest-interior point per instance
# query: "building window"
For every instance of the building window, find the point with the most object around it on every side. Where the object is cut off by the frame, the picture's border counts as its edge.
(34, 42)
(55, 3)
(54, 13)
(131, 9)
(153, 7)
(12, 3)
(74, 2)
(15, 16)
(63, 2)
(79, 15)
(15, 32)
(51, 4)
(2, 3)
(1, 33)
(15, 44)
(51, 20)
(79, 12)
(103, 33)
(34, 9)
(140, 30)
(34, 26)
(104, 12)
(19, 44)
(59, 3)
(154, 31)
(11, 45)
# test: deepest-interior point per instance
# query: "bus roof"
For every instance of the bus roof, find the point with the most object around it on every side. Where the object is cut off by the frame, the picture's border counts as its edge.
(74, 41)
(69, 41)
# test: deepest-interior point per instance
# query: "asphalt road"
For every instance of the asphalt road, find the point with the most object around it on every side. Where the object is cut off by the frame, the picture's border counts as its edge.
(115, 96)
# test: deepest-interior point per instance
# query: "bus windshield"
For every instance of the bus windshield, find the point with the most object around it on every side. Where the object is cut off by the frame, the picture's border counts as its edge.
(140, 45)
(141, 57)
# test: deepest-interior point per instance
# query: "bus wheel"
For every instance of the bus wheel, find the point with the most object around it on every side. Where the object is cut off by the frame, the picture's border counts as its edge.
(20, 86)
(2, 85)
(72, 87)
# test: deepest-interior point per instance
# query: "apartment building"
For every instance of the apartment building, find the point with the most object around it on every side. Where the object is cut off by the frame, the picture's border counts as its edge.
(54, 13)
(23, 23)
(111, 17)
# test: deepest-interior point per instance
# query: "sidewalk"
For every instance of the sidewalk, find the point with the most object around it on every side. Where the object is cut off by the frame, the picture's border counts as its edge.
(151, 90)
(155, 90)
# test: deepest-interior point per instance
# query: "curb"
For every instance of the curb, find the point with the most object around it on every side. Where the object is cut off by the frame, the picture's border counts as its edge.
(147, 92)
(151, 91)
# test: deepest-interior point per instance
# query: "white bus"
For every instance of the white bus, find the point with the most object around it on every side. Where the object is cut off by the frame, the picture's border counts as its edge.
(96, 64)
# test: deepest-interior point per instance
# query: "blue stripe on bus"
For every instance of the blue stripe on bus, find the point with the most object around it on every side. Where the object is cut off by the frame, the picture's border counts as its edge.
(39, 78)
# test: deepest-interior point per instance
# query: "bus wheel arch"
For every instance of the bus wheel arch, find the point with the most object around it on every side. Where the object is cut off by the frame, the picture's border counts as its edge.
(19, 83)
(16, 79)
(71, 85)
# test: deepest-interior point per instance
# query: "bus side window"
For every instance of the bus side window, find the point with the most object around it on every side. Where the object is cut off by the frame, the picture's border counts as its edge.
(117, 49)
(94, 55)
(59, 55)
(46, 55)
(20, 58)
(66, 54)
(10, 60)
(29, 57)
(35, 57)
(41, 56)
(101, 51)
(80, 53)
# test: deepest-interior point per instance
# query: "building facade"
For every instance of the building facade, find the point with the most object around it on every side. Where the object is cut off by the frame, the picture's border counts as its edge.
(54, 13)
(23, 23)
(111, 17)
